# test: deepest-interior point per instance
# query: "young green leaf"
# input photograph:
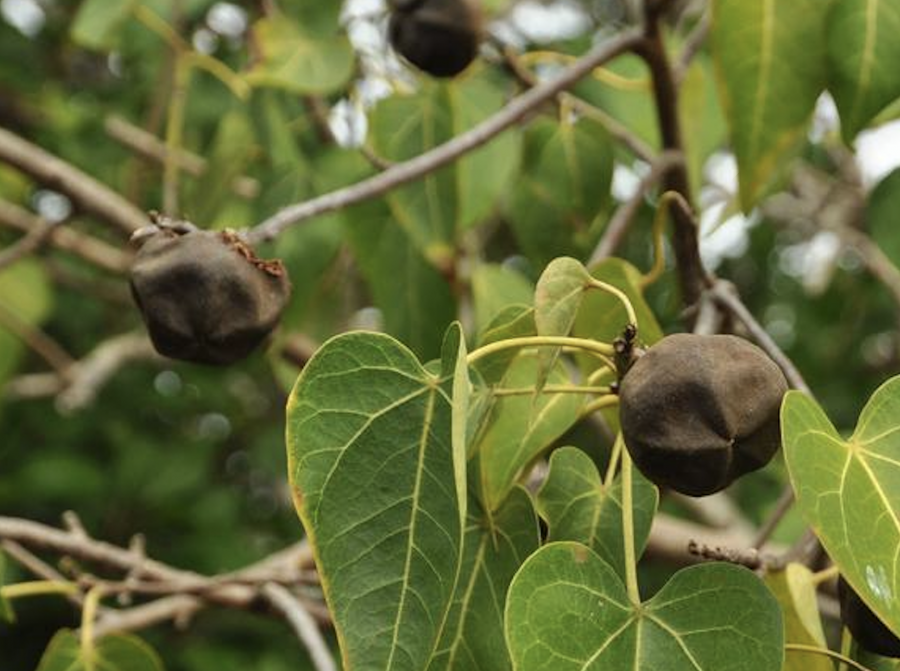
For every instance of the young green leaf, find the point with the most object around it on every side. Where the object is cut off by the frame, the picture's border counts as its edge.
(97, 22)
(770, 58)
(296, 61)
(376, 481)
(494, 551)
(567, 610)
(849, 491)
(577, 506)
(514, 321)
(494, 288)
(116, 652)
(521, 427)
(863, 51)
(796, 592)
(563, 186)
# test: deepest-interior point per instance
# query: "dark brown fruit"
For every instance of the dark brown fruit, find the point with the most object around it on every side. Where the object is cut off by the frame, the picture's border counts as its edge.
(440, 37)
(869, 631)
(699, 411)
(205, 296)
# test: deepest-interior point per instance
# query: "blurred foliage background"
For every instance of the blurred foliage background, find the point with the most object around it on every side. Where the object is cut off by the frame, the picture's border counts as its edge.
(193, 458)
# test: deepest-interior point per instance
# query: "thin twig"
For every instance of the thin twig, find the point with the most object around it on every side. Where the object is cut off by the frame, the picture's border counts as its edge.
(91, 249)
(27, 244)
(149, 146)
(88, 376)
(37, 341)
(440, 156)
(724, 294)
(693, 44)
(785, 502)
(616, 129)
(304, 625)
(86, 192)
(692, 275)
(624, 216)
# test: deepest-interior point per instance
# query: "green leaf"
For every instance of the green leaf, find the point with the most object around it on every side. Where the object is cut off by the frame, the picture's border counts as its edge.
(577, 506)
(415, 299)
(520, 427)
(494, 551)
(116, 652)
(435, 210)
(795, 590)
(881, 216)
(514, 321)
(770, 60)
(558, 295)
(602, 316)
(376, 483)
(494, 287)
(26, 294)
(563, 187)
(863, 51)
(703, 122)
(849, 491)
(231, 151)
(294, 60)
(6, 612)
(97, 23)
(567, 610)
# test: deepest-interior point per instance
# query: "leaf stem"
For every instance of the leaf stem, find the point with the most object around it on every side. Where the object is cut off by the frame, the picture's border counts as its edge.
(175, 131)
(660, 219)
(603, 402)
(552, 389)
(825, 575)
(631, 581)
(615, 456)
(603, 349)
(618, 293)
(88, 617)
(37, 588)
(825, 652)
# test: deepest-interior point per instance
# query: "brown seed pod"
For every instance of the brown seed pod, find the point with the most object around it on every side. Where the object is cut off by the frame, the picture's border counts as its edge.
(699, 411)
(869, 631)
(440, 37)
(205, 296)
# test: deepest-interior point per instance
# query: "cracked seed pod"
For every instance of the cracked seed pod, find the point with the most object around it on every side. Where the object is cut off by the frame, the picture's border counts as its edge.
(204, 295)
(868, 630)
(697, 412)
(440, 37)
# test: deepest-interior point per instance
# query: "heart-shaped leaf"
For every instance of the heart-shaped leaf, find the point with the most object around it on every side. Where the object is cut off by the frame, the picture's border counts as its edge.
(567, 610)
(292, 60)
(381, 491)
(520, 427)
(577, 506)
(116, 652)
(494, 288)
(863, 50)
(796, 592)
(495, 548)
(849, 491)
(563, 186)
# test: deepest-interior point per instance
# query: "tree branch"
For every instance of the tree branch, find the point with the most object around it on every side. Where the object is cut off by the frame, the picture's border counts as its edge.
(692, 276)
(304, 625)
(86, 192)
(92, 250)
(416, 168)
